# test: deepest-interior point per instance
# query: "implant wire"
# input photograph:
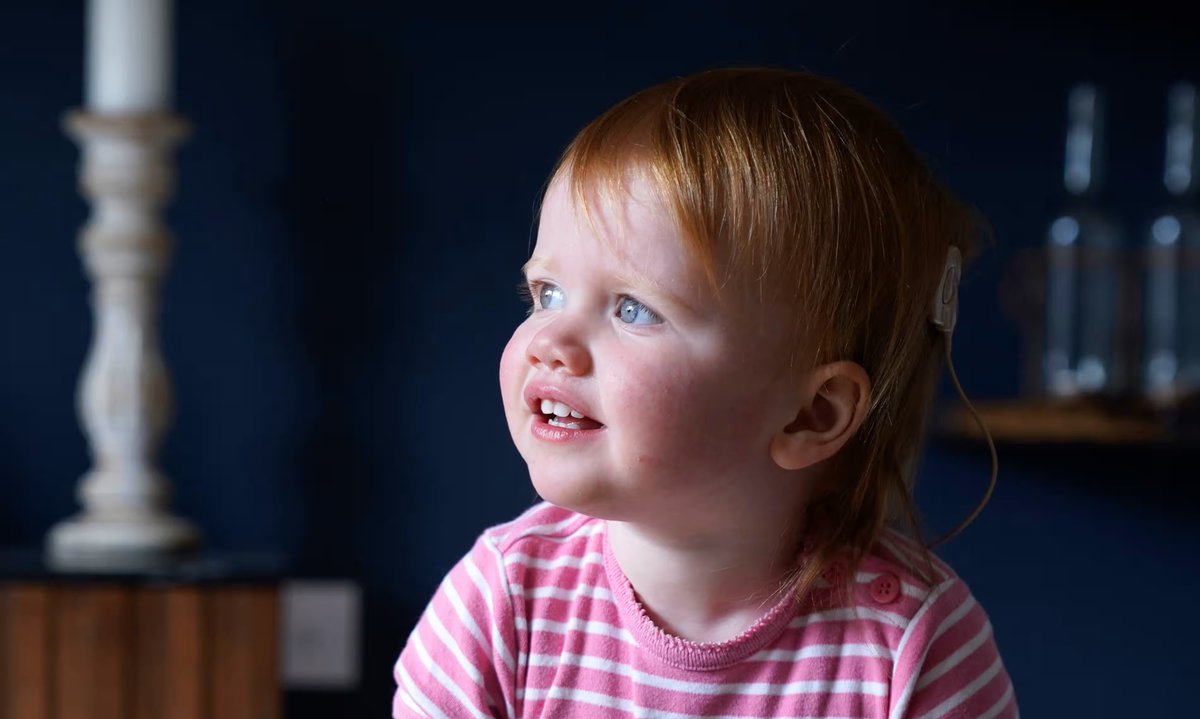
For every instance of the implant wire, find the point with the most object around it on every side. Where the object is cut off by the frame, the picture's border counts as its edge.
(987, 495)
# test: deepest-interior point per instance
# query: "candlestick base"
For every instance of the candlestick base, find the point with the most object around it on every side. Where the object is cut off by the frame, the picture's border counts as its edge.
(121, 543)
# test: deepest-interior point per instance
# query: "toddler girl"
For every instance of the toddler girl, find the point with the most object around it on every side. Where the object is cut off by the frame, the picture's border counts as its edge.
(720, 392)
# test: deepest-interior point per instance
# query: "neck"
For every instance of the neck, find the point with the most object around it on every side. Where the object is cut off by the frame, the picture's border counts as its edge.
(709, 585)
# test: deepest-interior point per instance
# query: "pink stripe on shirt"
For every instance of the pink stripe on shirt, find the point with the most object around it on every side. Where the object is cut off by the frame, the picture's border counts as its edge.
(539, 621)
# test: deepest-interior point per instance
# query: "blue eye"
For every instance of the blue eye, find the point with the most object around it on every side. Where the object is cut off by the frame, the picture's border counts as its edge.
(633, 312)
(549, 297)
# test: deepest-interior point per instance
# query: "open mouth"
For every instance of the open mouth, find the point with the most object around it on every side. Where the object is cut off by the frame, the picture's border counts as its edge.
(557, 414)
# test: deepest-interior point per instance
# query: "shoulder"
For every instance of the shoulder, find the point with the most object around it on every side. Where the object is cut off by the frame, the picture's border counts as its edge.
(543, 531)
(546, 552)
(946, 661)
(544, 541)
(899, 583)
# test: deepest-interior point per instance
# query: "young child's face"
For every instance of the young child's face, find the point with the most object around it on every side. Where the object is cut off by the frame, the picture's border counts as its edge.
(679, 392)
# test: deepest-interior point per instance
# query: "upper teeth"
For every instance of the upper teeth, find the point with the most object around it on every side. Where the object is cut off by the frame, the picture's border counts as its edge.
(559, 409)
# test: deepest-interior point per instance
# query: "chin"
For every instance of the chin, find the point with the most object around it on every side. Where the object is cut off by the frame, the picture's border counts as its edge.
(595, 498)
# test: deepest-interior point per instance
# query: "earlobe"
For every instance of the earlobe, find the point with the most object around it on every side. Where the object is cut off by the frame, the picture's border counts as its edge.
(834, 404)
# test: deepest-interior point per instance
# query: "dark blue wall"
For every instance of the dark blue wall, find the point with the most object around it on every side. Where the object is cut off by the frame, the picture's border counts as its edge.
(354, 206)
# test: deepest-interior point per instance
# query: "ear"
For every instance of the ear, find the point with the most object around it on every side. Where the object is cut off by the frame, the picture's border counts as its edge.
(834, 402)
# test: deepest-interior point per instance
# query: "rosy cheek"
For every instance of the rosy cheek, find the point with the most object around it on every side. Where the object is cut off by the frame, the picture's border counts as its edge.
(651, 395)
(681, 407)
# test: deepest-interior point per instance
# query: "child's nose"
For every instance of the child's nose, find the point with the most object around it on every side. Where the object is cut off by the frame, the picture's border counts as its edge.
(557, 347)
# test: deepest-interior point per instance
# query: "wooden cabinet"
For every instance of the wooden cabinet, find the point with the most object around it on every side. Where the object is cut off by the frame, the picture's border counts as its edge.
(138, 648)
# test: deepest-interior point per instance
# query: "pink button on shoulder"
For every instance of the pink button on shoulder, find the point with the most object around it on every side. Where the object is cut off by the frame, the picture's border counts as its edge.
(885, 588)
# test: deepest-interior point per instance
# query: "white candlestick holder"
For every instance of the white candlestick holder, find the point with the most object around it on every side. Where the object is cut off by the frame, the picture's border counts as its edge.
(124, 399)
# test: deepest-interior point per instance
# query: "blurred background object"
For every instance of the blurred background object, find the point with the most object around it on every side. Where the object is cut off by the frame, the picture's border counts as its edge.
(354, 205)
(1085, 292)
(1171, 371)
(1110, 324)
(127, 134)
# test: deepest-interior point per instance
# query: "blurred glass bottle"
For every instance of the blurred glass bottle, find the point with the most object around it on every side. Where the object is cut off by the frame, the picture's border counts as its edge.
(1172, 366)
(1083, 348)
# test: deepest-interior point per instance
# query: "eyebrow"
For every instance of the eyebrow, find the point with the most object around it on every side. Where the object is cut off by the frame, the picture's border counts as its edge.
(534, 262)
(648, 288)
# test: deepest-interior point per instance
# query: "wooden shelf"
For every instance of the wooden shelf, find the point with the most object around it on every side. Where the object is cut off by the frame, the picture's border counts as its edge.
(1070, 422)
(195, 640)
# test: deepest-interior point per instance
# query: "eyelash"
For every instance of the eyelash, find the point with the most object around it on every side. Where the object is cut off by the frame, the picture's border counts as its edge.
(528, 291)
(525, 292)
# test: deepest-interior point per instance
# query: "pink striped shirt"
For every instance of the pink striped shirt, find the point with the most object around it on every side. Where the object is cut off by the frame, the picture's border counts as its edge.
(539, 621)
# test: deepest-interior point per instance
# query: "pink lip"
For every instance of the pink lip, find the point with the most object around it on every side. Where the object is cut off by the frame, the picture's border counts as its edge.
(549, 433)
